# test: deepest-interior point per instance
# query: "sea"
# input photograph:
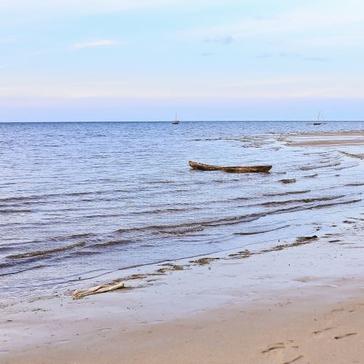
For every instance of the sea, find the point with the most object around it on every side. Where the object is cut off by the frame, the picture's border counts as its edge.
(81, 200)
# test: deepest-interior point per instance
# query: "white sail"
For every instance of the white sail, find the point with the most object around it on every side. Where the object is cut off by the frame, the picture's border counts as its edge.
(176, 120)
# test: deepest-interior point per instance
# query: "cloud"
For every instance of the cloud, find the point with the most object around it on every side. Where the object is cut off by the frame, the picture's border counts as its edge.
(95, 44)
(304, 23)
(207, 54)
(224, 40)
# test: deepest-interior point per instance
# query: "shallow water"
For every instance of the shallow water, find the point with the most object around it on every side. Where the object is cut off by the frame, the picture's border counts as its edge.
(79, 200)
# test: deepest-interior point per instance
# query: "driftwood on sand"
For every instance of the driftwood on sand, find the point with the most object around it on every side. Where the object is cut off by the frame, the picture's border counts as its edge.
(98, 289)
(230, 169)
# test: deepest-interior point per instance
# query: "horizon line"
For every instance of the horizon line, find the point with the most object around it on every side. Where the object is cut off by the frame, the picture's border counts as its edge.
(182, 122)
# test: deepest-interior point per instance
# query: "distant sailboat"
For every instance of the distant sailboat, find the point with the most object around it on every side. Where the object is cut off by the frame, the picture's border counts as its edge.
(176, 120)
(319, 120)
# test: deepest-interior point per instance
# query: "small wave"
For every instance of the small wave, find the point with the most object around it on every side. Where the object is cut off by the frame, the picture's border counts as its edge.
(310, 168)
(162, 182)
(60, 238)
(17, 271)
(72, 237)
(191, 227)
(346, 167)
(352, 155)
(349, 202)
(262, 231)
(286, 193)
(166, 231)
(81, 253)
(188, 227)
(110, 243)
(12, 211)
(226, 180)
(36, 198)
(166, 211)
(303, 200)
(45, 253)
(102, 216)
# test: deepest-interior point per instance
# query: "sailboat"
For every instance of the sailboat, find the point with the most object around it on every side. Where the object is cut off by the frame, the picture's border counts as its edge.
(176, 120)
(319, 121)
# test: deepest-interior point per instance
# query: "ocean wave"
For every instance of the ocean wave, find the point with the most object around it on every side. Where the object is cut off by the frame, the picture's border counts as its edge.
(46, 253)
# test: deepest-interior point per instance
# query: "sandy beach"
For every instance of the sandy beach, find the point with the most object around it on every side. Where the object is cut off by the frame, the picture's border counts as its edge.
(305, 304)
(298, 299)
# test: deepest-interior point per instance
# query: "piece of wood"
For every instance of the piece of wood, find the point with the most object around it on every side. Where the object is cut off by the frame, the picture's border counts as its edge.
(98, 289)
(230, 169)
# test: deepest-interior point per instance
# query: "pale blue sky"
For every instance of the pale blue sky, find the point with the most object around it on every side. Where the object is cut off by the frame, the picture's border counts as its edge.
(146, 59)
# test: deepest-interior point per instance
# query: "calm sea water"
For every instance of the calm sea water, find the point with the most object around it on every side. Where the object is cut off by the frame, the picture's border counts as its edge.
(79, 200)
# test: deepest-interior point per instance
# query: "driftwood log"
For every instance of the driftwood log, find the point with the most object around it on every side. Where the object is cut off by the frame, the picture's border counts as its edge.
(98, 289)
(231, 169)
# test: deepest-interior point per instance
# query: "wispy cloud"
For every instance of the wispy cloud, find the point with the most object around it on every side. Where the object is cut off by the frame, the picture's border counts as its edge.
(304, 22)
(207, 54)
(224, 40)
(95, 44)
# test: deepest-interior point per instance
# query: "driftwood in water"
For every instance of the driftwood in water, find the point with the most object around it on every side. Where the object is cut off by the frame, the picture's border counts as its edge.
(232, 169)
(98, 289)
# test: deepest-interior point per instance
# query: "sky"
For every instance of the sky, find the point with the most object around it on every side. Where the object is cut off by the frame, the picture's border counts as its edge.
(70, 60)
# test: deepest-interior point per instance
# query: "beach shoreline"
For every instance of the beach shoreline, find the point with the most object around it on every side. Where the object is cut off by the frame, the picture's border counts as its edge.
(297, 306)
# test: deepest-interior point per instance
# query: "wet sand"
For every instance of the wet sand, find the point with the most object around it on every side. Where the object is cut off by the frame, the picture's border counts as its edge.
(299, 300)
(291, 303)
(321, 139)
